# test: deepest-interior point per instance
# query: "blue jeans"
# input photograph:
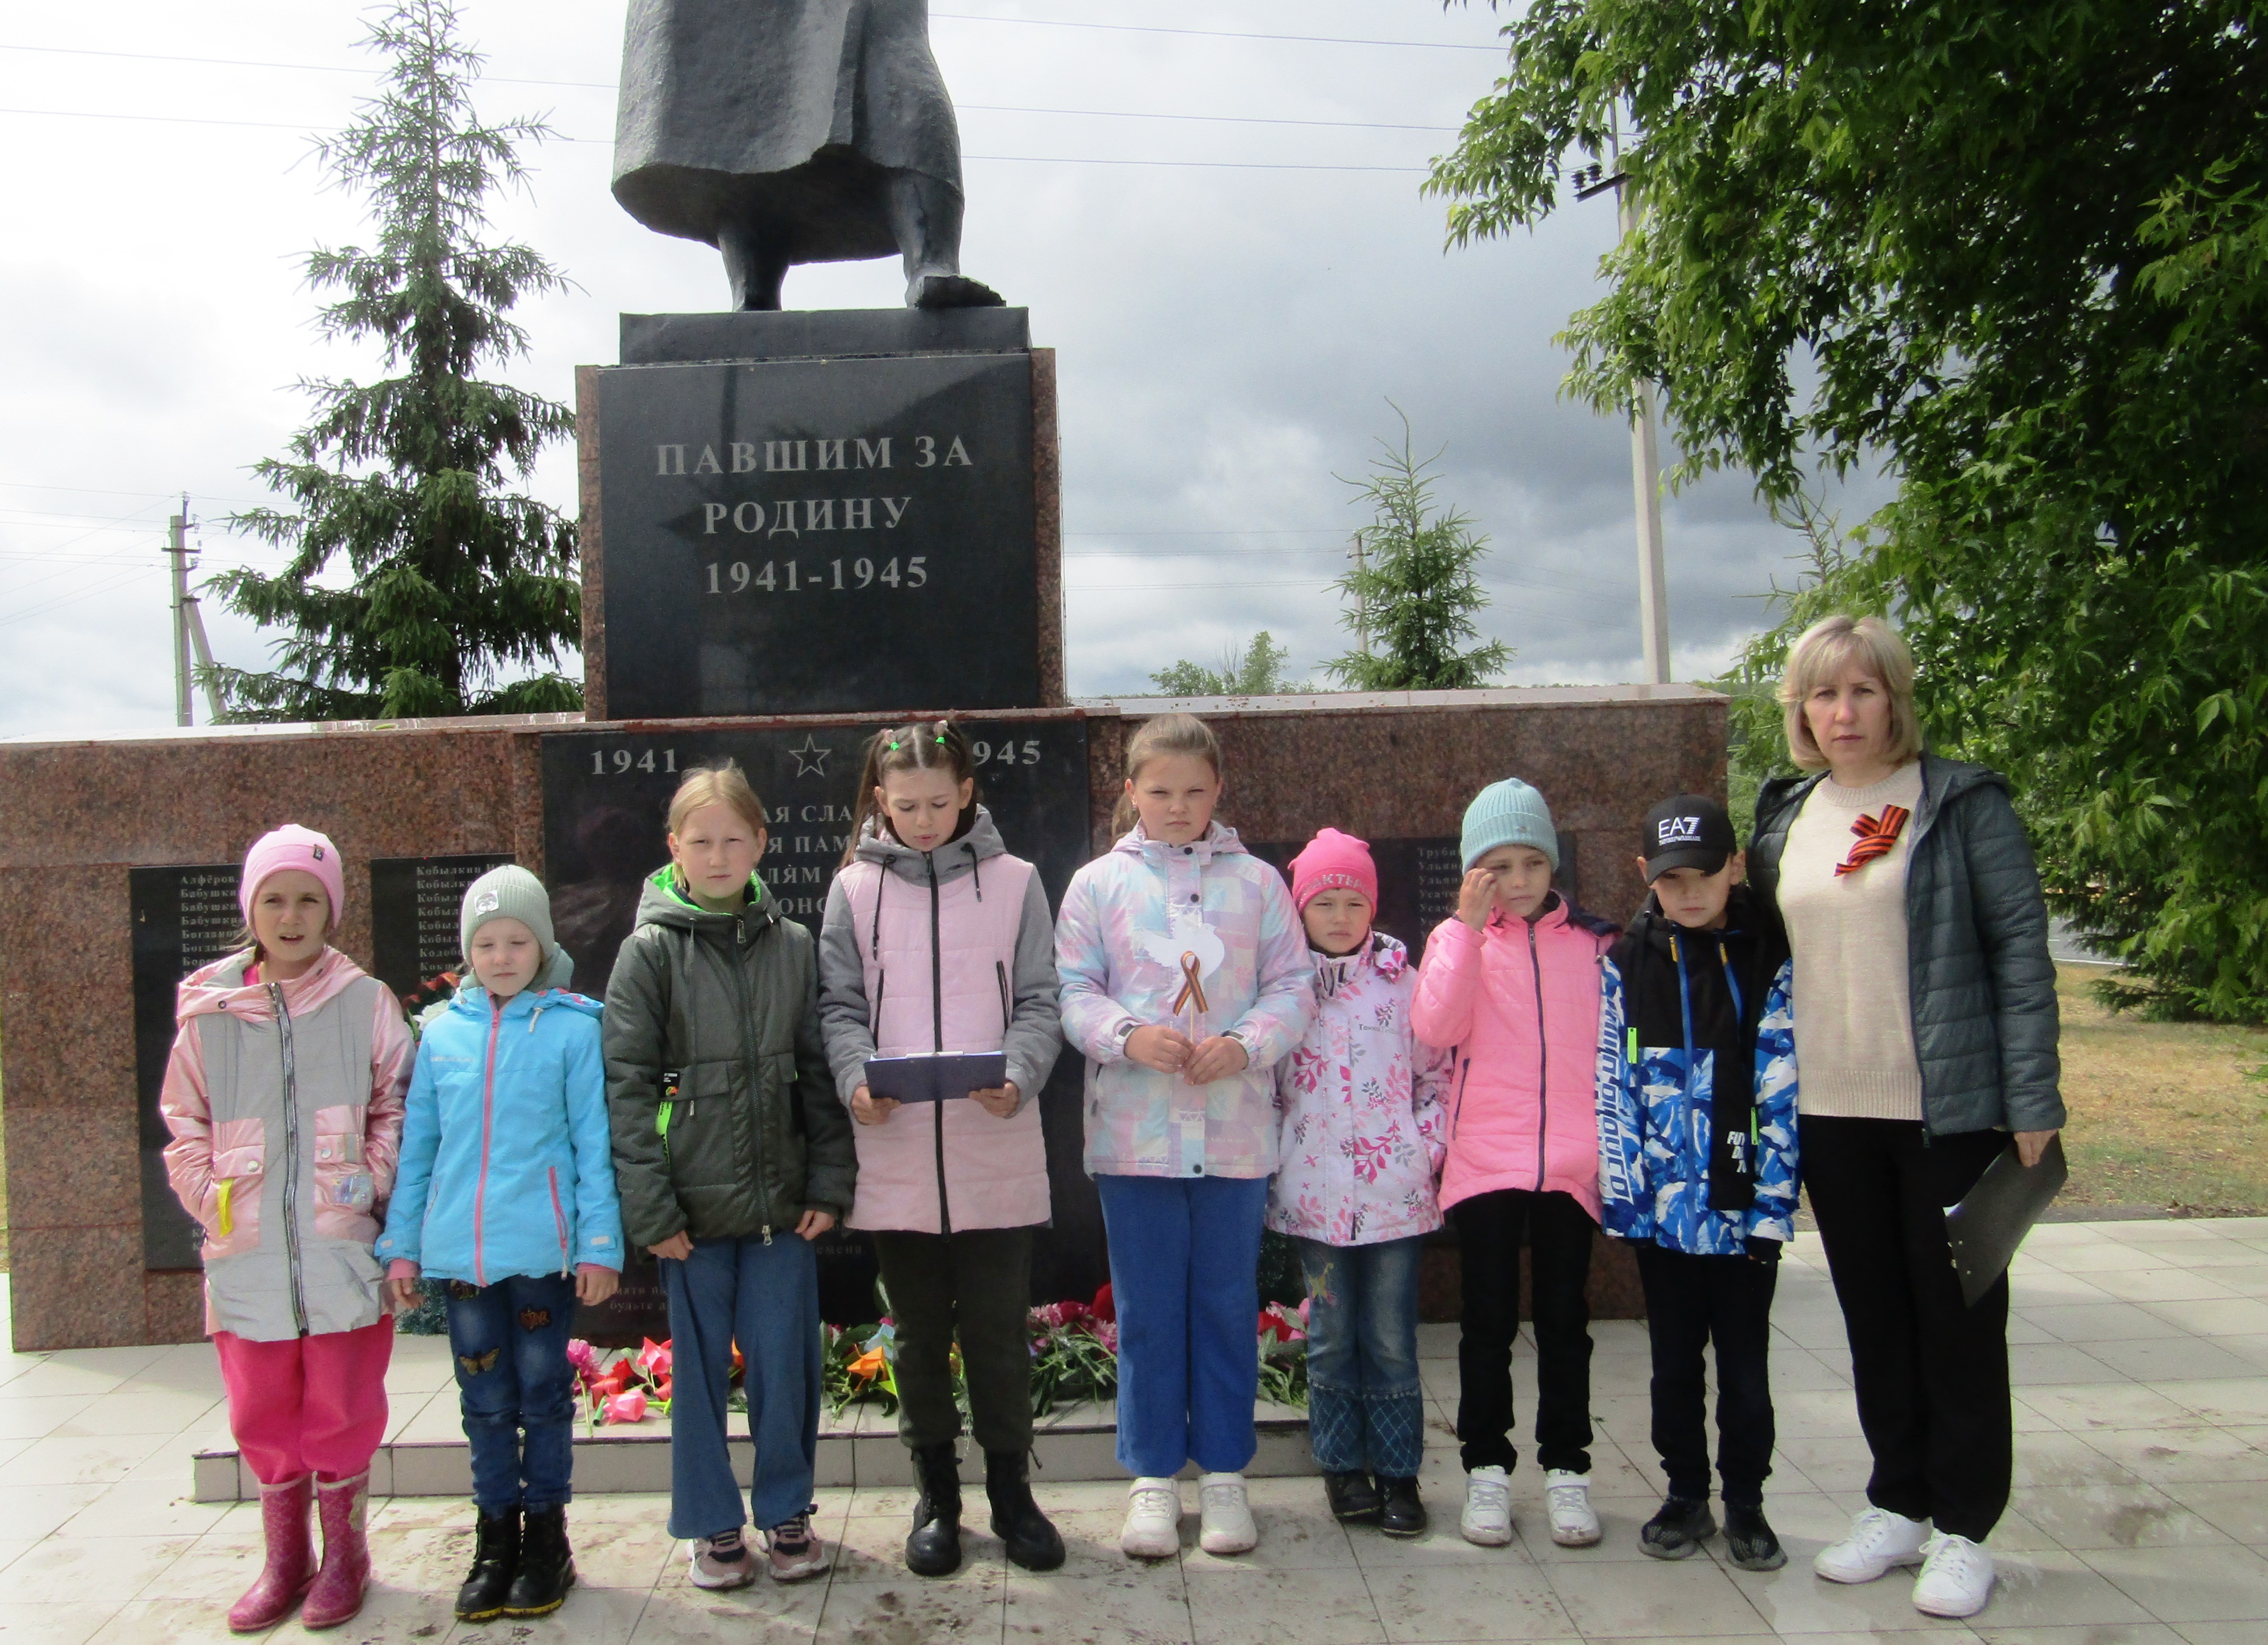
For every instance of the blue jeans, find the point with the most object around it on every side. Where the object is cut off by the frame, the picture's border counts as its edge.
(765, 1296)
(510, 1344)
(1365, 1408)
(1184, 1274)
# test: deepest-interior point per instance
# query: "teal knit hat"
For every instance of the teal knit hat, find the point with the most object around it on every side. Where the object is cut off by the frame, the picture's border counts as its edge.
(1509, 813)
(507, 892)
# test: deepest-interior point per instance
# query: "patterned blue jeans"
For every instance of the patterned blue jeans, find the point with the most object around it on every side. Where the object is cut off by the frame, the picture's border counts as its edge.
(1365, 1407)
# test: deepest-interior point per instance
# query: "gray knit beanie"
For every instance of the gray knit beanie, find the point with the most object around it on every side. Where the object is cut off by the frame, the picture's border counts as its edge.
(1509, 813)
(507, 892)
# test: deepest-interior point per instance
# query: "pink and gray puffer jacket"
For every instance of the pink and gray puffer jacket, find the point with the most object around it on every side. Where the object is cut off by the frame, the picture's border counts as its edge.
(1519, 1003)
(285, 1103)
(951, 950)
(1122, 925)
(1365, 1122)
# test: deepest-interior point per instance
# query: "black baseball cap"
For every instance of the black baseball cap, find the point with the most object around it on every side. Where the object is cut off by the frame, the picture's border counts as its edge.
(1689, 831)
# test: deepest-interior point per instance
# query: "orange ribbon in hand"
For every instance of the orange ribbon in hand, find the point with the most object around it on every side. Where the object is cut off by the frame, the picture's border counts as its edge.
(1876, 836)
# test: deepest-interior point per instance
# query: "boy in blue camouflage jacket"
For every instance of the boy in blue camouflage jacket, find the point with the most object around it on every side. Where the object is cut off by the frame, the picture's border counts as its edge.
(1697, 1162)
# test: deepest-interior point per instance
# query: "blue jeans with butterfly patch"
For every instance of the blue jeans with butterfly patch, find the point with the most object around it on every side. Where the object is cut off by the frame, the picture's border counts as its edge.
(509, 1343)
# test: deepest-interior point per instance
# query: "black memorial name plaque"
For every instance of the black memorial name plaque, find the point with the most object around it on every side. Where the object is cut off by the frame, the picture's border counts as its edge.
(183, 917)
(606, 801)
(817, 535)
(414, 903)
(1418, 877)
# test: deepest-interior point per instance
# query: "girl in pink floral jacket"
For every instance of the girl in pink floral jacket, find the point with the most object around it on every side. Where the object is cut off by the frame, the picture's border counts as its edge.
(1364, 1132)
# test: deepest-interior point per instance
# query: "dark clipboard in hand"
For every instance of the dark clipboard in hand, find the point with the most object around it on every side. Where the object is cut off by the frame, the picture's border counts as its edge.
(938, 1078)
(1983, 1230)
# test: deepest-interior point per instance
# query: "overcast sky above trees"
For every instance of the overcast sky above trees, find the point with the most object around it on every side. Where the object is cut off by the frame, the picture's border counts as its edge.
(1229, 327)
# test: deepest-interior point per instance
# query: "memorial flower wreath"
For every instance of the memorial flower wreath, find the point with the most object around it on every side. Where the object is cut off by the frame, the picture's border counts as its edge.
(1075, 1359)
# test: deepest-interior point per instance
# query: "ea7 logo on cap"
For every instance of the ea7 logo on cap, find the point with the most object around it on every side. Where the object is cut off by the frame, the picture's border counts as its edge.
(487, 903)
(1678, 831)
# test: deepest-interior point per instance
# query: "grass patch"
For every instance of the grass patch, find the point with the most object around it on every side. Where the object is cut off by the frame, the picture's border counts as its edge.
(2161, 1113)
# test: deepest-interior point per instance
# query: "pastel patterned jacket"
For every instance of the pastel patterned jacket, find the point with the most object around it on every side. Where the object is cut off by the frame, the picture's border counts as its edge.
(1126, 918)
(1364, 1123)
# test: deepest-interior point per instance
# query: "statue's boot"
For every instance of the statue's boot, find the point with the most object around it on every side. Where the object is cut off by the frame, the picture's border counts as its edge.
(925, 213)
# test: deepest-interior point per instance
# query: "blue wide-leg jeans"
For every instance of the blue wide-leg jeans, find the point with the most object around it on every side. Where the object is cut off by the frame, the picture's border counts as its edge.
(517, 1391)
(1365, 1406)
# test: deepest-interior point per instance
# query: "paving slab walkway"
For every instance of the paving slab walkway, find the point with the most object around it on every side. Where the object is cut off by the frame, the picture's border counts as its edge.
(2140, 1515)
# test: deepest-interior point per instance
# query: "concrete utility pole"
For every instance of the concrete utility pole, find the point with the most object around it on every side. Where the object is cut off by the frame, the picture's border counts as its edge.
(189, 628)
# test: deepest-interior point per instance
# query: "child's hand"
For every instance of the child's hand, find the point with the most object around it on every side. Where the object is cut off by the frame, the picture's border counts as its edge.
(403, 1296)
(869, 1110)
(676, 1248)
(1476, 898)
(1218, 1059)
(814, 1223)
(2032, 1146)
(1000, 1100)
(594, 1285)
(1164, 1049)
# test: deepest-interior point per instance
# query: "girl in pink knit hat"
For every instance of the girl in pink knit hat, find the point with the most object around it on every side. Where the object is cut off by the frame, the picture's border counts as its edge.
(1363, 1136)
(284, 1095)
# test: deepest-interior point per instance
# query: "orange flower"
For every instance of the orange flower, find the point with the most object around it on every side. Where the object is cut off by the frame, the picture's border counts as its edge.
(868, 1365)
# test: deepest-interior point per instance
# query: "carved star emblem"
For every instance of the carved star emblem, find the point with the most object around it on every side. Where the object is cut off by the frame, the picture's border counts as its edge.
(810, 759)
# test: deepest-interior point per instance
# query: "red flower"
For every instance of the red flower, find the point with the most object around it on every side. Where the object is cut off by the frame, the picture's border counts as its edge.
(1105, 1306)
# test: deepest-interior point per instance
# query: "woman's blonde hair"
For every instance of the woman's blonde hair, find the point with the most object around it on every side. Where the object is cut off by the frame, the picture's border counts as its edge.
(1827, 647)
(1166, 736)
(715, 784)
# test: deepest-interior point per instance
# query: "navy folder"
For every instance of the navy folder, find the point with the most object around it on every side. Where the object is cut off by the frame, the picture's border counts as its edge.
(938, 1078)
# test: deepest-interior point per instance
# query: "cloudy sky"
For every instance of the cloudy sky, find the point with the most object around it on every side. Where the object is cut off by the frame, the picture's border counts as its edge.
(1210, 209)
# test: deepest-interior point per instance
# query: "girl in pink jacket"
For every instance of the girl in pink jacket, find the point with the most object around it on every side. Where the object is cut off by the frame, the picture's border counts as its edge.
(285, 1096)
(1512, 984)
(936, 940)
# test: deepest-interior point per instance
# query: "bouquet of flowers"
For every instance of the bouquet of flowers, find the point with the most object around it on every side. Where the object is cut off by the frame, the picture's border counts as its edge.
(620, 1386)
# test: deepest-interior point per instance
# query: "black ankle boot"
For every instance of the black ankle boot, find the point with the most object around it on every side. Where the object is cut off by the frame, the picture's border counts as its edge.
(1032, 1540)
(1352, 1498)
(547, 1566)
(495, 1562)
(933, 1549)
(1401, 1512)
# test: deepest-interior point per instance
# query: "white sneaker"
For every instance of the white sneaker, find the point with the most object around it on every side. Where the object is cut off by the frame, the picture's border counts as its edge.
(1153, 1530)
(1486, 1522)
(1568, 1496)
(1956, 1577)
(1879, 1541)
(1227, 1524)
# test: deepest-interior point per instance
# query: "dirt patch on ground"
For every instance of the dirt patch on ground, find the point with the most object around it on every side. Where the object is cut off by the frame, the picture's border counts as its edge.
(2161, 1113)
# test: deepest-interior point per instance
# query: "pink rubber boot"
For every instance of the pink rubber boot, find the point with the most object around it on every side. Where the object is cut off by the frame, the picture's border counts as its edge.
(291, 1564)
(344, 1505)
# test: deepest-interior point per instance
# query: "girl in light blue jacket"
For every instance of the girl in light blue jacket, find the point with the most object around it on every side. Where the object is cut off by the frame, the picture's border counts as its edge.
(506, 1193)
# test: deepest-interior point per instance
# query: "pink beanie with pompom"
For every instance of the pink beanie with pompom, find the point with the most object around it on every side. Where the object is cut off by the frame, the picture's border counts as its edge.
(1333, 860)
(292, 846)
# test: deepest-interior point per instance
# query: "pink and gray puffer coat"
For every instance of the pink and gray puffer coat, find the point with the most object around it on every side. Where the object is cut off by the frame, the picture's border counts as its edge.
(949, 951)
(1519, 1003)
(1364, 1126)
(1120, 925)
(285, 1103)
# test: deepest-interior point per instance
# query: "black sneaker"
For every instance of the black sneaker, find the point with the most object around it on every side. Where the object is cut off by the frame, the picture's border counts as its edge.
(1679, 1529)
(1750, 1540)
(1401, 1513)
(1354, 1500)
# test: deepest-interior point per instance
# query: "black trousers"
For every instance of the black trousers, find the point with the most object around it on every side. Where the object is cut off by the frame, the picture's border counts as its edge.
(1559, 1235)
(975, 1285)
(1692, 1302)
(1931, 1373)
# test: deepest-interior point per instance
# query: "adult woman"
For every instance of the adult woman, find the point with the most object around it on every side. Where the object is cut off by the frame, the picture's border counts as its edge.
(1925, 1031)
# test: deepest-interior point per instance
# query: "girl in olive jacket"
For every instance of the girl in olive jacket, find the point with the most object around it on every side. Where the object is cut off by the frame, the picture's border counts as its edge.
(729, 1143)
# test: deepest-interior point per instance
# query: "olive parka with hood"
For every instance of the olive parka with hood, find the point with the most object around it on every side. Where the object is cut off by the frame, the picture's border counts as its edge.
(725, 1121)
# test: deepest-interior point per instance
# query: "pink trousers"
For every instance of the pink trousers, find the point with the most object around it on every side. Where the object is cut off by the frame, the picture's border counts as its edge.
(313, 1402)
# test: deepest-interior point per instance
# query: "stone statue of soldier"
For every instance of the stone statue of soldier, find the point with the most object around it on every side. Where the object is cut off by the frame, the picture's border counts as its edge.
(787, 132)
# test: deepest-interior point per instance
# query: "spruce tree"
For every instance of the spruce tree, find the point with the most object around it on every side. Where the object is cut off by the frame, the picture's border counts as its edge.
(457, 578)
(1417, 586)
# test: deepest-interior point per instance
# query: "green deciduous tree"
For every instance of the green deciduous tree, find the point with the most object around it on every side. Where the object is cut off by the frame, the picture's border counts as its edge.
(2018, 249)
(452, 578)
(1254, 670)
(1417, 586)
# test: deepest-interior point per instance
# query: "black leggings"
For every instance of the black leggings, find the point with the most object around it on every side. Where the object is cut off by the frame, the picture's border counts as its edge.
(1559, 1236)
(1931, 1374)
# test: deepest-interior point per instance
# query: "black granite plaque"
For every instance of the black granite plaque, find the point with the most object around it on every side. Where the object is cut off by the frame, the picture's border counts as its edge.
(413, 907)
(606, 800)
(822, 333)
(183, 917)
(819, 535)
(1417, 880)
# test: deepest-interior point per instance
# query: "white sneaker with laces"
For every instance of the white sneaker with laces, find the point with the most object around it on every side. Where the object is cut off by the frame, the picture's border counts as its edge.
(1956, 1577)
(1486, 1522)
(1153, 1530)
(1879, 1541)
(1567, 1494)
(1227, 1524)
